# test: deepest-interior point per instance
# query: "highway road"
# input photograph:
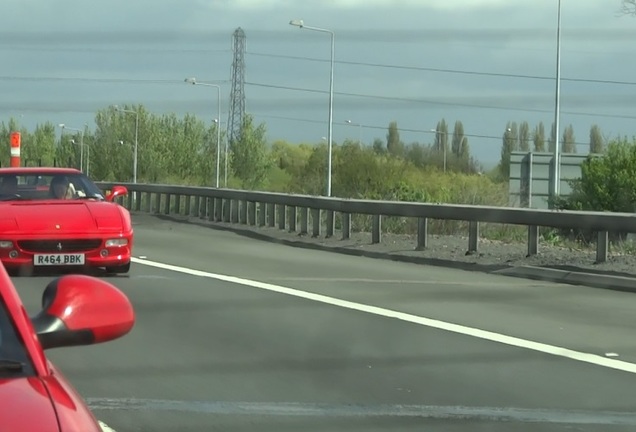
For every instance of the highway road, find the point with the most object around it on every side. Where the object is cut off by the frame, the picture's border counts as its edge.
(235, 334)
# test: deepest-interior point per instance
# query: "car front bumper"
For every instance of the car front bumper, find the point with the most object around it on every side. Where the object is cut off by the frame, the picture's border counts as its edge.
(71, 251)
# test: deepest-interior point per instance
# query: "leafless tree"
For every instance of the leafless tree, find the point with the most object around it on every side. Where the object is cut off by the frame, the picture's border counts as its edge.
(628, 7)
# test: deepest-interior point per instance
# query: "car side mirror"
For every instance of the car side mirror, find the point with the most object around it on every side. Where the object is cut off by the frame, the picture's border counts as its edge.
(82, 310)
(115, 192)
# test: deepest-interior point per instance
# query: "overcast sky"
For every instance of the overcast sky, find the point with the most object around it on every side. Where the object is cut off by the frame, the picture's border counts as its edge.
(484, 62)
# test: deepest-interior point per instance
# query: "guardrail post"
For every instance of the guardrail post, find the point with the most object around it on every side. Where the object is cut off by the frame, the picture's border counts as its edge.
(422, 233)
(242, 211)
(137, 200)
(129, 200)
(251, 213)
(216, 210)
(208, 209)
(262, 213)
(271, 215)
(204, 204)
(166, 205)
(234, 211)
(292, 219)
(148, 202)
(177, 204)
(315, 221)
(157, 203)
(376, 229)
(281, 216)
(533, 240)
(331, 218)
(473, 237)
(304, 220)
(187, 205)
(227, 209)
(602, 240)
(201, 207)
(197, 206)
(346, 226)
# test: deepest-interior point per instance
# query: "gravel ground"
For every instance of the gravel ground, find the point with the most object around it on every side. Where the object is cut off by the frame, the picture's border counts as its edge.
(442, 250)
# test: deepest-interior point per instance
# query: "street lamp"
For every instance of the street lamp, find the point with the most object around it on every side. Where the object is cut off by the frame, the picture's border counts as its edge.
(557, 162)
(81, 131)
(136, 113)
(194, 81)
(301, 24)
(359, 130)
(88, 156)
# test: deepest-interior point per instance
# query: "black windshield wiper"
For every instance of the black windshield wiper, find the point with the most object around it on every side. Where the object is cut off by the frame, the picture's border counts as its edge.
(11, 366)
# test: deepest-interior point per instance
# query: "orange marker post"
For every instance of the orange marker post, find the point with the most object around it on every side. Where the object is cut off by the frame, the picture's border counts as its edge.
(15, 149)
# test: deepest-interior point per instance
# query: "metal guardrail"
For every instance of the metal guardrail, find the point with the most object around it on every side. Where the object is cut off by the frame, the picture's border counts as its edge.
(286, 210)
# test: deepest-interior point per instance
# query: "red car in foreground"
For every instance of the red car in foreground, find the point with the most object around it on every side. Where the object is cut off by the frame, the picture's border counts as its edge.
(76, 310)
(57, 217)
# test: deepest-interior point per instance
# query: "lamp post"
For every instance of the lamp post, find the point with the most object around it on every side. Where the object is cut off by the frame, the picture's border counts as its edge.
(359, 130)
(301, 24)
(136, 113)
(557, 150)
(88, 155)
(63, 126)
(194, 81)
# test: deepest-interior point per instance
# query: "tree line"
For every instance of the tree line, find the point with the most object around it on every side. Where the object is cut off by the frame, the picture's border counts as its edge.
(183, 150)
(520, 138)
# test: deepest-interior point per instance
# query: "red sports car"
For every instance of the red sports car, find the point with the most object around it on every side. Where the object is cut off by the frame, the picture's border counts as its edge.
(76, 310)
(57, 217)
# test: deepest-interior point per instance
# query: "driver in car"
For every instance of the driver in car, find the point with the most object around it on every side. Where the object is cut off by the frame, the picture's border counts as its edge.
(61, 188)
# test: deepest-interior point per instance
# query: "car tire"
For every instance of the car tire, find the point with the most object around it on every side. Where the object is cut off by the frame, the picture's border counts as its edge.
(125, 268)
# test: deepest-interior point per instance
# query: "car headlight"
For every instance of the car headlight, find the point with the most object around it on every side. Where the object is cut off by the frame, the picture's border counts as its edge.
(6, 244)
(116, 242)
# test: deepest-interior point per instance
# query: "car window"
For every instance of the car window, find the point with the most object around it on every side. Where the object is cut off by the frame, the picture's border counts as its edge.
(39, 186)
(12, 347)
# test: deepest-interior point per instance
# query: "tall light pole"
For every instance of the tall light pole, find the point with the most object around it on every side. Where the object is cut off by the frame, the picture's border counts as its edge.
(301, 24)
(81, 131)
(557, 150)
(359, 130)
(194, 81)
(136, 113)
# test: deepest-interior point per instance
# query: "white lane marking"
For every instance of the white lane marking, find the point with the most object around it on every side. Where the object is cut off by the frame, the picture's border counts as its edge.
(105, 427)
(428, 322)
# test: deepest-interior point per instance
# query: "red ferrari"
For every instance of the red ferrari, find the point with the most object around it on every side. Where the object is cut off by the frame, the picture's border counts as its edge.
(76, 310)
(57, 217)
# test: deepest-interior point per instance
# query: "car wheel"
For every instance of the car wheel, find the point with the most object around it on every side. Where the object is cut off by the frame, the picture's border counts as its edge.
(125, 268)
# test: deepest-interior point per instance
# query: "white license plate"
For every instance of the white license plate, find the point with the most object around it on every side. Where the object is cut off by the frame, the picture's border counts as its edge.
(58, 259)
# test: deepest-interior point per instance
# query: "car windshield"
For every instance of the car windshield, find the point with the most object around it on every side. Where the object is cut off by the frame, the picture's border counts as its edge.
(46, 186)
(12, 350)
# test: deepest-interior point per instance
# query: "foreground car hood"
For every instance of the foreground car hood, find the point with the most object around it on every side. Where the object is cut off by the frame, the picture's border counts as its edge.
(58, 217)
(26, 406)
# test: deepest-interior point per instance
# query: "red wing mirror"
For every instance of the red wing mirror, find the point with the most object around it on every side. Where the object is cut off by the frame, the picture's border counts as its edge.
(116, 191)
(82, 310)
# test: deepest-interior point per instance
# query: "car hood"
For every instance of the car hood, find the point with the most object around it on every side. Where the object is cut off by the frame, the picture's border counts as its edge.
(26, 406)
(63, 217)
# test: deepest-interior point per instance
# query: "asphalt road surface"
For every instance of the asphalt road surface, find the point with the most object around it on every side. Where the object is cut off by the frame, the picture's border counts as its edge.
(235, 334)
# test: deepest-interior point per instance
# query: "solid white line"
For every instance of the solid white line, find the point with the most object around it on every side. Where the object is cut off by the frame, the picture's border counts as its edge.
(428, 322)
(105, 427)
